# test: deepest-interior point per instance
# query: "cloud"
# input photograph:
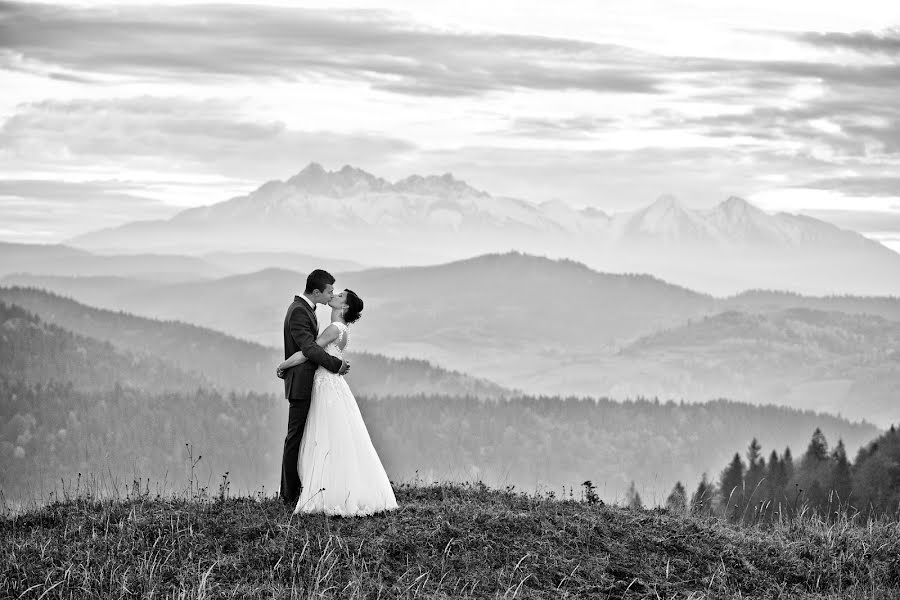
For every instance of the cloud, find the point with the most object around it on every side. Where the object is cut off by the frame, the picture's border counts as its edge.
(867, 42)
(378, 48)
(212, 41)
(175, 135)
(55, 210)
(881, 186)
(846, 122)
(579, 126)
(164, 151)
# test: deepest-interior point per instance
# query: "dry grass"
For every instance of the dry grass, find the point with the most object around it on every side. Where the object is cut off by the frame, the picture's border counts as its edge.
(446, 541)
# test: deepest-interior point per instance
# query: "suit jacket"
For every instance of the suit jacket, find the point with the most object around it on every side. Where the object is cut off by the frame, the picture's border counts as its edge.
(300, 332)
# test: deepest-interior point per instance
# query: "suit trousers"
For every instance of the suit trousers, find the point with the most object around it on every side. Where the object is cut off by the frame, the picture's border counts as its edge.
(290, 478)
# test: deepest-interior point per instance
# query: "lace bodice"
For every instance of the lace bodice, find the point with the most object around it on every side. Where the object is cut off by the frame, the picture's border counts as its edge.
(339, 345)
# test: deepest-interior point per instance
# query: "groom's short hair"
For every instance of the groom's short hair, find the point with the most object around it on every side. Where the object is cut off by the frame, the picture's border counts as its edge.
(318, 280)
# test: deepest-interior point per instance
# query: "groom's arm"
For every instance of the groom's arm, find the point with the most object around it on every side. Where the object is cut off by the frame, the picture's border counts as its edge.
(301, 331)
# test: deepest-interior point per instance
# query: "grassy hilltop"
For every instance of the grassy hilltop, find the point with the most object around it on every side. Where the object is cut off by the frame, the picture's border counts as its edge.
(446, 541)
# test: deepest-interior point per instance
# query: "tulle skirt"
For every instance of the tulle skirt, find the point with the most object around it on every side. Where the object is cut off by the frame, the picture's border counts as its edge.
(339, 469)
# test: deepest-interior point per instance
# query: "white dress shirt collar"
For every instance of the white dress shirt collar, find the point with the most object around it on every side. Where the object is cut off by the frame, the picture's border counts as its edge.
(312, 304)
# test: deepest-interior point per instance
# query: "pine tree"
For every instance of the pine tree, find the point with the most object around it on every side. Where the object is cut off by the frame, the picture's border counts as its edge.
(787, 459)
(818, 447)
(756, 472)
(753, 453)
(677, 500)
(814, 475)
(632, 498)
(773, 485)
(841, 477)
(731, 483)
(702, 500)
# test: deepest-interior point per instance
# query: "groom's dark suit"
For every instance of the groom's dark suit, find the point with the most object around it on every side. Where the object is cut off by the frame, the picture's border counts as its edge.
(300, 332)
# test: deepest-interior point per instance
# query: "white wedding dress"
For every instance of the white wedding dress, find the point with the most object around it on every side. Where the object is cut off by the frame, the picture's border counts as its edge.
(339, 469)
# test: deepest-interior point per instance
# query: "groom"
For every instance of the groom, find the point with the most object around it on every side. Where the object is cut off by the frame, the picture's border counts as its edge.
(300, 332)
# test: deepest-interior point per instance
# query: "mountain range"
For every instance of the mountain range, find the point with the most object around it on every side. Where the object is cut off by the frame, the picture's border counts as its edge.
(352, 215)
(557, 327)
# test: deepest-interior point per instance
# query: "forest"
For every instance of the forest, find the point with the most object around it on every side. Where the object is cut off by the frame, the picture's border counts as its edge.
(52, 432)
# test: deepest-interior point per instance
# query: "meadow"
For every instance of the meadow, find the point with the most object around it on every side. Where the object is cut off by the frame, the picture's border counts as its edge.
(445, 541)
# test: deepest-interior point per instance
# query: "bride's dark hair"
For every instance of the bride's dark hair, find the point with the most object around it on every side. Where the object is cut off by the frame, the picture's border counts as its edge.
(354, 307)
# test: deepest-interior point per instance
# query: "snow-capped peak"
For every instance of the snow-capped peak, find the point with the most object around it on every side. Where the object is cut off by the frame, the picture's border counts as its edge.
(444, 186)
(666, 202)
(314, 179)
(736, 208)
(666, 219)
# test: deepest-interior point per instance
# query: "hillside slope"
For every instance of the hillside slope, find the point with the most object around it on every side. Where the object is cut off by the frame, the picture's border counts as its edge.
(510, 303)
(231, 363)
(443, 542)
(821, 360)
(556, 327)
(64, 260)
(36, 352)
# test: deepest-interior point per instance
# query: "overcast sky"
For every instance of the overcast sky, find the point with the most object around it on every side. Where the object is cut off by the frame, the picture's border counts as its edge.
(113, 112)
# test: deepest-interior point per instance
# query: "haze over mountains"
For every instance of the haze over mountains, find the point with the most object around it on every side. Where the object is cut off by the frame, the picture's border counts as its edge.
(59, 259)
(630, 305)
(57, 333)
(353, 215)
(123, 396)
(593, 333)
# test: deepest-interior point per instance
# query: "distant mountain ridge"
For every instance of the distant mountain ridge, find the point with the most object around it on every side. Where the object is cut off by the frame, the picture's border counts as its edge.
(220, 360)
(58, 259)
(350, 181)
(350, 214)
(557, 327)
(843, 363)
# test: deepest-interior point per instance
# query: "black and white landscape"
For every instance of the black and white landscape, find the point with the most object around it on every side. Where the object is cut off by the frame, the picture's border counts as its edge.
(475, 296)
(617, 333)
(613, 257)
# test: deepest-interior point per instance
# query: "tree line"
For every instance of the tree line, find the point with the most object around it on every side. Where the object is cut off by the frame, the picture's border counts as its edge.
(822, 481)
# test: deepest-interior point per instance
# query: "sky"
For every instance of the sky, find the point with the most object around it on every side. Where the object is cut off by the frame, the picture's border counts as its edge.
(114, 112)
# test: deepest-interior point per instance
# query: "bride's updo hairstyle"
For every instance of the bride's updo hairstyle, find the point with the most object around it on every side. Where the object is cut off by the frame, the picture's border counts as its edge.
(354, 307)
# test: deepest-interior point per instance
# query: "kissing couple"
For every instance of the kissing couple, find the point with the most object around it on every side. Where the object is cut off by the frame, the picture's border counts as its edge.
(329, 464)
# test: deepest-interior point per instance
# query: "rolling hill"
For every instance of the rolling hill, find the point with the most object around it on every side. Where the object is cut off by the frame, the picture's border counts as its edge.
(756, 301)
(508, 300)
(557, 327)
(62, 414)
(36, 352)
(63, 260)
(230, 363)
(250, 262)
(841, 363)
(66, 261)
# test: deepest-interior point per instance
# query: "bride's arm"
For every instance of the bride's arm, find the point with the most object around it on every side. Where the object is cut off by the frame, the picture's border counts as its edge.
(326, 337)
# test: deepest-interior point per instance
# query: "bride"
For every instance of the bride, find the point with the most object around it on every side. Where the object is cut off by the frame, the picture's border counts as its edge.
(338, 466)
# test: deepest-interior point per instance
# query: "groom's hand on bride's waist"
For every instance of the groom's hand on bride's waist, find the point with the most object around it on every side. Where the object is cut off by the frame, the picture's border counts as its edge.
(345, 366)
